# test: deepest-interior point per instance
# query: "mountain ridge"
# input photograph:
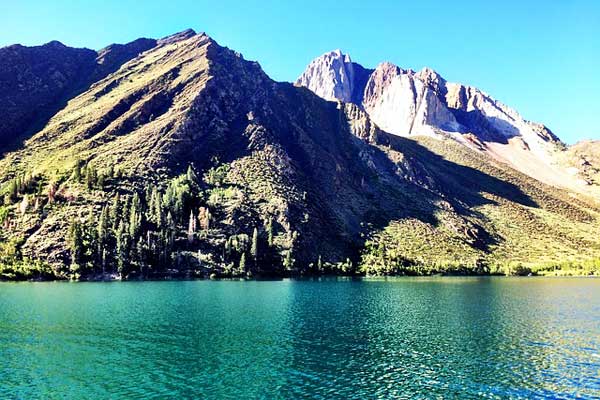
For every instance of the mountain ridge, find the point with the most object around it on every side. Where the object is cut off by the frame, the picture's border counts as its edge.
(199, 163)
(408, 103)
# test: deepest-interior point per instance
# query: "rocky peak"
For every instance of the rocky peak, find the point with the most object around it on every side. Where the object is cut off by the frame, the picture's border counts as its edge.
(432, 79)
(381, 77)
(405, 102)
(330, 76)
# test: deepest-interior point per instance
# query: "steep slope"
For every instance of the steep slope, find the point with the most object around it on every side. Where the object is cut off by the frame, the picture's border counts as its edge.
(409, 103)
(189, 159)
(583, 161)
(35, 82)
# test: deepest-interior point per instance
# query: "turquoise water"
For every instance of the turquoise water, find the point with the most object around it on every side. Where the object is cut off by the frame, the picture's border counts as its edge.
(331, 339)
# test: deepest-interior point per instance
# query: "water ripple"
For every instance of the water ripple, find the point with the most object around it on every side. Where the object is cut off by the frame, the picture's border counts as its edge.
(491, 338)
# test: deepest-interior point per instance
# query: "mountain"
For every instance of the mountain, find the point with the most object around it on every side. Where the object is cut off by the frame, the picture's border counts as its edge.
(178, 157)
(35, 82)
(408, 103)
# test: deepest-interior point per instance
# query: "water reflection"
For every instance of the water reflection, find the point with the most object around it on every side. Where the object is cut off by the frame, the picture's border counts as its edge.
(347, 339)
(469, 337)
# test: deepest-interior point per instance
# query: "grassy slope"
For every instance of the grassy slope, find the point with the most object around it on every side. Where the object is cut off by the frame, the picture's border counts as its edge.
(522, 223)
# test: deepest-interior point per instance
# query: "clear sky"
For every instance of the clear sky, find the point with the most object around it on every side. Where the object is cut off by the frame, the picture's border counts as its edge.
(540, 57)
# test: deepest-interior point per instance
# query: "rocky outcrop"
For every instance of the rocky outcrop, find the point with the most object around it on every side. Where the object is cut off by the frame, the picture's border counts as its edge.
(404, 105)
(408, 103)
(334, 76)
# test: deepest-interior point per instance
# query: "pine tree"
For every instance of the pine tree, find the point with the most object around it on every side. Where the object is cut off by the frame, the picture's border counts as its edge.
(242, 265)
(254, 246)
(135, 216)
(91, 176)
(156, 209)
(103, 236)
(101, 181)
(115, 211)
(76, 246)
(170, 222)
(92, 254)
(227, 247)
(191, 227)
(270, 231)
(140, 253)
(122, 249)
(204, 218)
(19, 185)
(288, 262)
(191, 175)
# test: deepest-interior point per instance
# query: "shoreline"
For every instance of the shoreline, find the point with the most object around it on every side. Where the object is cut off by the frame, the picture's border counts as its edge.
(295, 278)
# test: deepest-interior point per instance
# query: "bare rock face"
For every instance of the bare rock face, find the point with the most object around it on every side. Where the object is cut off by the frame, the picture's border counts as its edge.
(408, 103)
(404, 105)
(334, 76)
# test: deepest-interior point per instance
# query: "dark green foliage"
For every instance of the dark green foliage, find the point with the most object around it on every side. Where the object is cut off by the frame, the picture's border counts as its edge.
(76, 245)
(269, 229)
(144, 234)
(122, 249)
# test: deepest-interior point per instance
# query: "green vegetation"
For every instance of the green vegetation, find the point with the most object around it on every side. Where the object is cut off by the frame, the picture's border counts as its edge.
(161, 231)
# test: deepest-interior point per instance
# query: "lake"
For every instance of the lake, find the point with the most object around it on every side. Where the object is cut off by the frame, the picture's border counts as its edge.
(407, 338)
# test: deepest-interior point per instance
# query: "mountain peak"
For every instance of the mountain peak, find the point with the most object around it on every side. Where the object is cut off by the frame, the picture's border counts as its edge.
(432, 79)
(427, 73)
(337, 53)
(407, 103)
(330, 76)
(55, 43)
(176, 37)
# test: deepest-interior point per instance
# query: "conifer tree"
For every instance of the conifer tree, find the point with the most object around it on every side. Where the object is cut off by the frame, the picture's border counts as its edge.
(115, 211)
(254, 246)
(140, 253)
(122, 249)
(135, 216)
(92, 255)
(288, 262)
(76, 176)
(204, 218)
(103, 236)
(242, 265)
(270, 231)
(91, 177)
(76, 246)
(156, 209)
(191, 227)
(191, 175)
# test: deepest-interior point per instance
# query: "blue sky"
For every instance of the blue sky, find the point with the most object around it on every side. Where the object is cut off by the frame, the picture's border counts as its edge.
(540, 57)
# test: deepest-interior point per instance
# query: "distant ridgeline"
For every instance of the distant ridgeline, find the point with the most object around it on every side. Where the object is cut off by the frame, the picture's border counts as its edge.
(177, 158)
